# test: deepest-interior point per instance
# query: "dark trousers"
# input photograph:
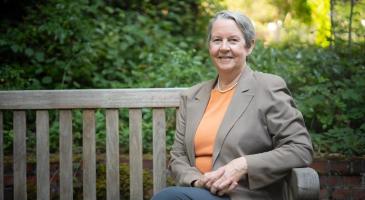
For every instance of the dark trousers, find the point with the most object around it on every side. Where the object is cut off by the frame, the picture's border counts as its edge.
(186, 193)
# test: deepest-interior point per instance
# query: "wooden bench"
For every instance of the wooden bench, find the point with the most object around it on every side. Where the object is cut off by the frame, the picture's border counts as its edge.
(301, 183)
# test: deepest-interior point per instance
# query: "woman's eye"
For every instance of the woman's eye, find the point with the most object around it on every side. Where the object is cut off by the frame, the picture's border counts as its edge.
(216, 41)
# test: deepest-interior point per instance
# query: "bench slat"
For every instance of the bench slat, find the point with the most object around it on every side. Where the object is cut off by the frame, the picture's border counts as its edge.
(66, 185)
(19, 156)
(135, 154)
(88, 151)
(1, 157)
(112, 154)
(42, 132)
(98, 98)
(159, 150)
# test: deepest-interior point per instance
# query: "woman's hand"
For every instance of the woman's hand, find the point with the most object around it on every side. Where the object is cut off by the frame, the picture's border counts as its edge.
(224, 179)
(233, 172)
(209, 178)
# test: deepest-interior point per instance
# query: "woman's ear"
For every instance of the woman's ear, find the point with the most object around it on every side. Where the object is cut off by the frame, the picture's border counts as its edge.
(251, 47)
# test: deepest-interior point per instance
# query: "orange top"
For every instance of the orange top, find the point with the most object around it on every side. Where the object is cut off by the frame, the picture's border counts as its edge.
(207, 130)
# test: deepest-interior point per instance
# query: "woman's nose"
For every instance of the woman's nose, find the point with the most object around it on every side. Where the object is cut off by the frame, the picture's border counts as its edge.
(224, 46)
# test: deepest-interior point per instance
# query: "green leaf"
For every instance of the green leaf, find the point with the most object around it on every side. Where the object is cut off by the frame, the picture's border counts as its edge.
(47, 80)
(29, 52)
(39, 56)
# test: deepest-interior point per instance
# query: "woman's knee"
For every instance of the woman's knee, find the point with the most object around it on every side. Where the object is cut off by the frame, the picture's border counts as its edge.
(186, 193)
(169, 193)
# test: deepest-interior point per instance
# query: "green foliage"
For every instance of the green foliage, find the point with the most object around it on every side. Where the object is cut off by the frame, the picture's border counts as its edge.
(82, 46)
(321, 21)
(44, 50)
(347, 141)
(63, 44)
(346, 21)
(124, 180)
(299, 9)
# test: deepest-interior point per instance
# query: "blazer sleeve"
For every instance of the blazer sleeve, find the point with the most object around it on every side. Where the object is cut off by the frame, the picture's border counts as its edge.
(179, 164)
(292, 145)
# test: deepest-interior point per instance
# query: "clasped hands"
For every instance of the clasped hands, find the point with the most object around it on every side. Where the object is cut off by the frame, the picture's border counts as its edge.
(225, 178)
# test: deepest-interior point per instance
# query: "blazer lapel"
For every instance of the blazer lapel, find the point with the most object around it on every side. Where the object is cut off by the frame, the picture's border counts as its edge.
(241, 99)
(195, 110)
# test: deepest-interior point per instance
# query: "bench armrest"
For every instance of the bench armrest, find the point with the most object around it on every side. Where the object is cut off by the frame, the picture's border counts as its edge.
(301, 183)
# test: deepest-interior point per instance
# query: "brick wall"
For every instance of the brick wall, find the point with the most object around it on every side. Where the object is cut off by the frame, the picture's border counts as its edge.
(341, 179)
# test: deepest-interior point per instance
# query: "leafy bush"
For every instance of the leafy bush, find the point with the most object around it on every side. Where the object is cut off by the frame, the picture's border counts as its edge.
(63, 44)
(347, 141)
(82, 46)
(124, 182)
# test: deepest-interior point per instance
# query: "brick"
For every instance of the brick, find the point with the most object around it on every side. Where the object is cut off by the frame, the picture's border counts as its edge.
(323, 194)
(335, 181)
(358, 194)
(321, 166)
(339, 167)
(357, 167)
(8, 180)
(31, 180)
(31, 169)
(341, 194)
(352, 181)
(322, 180)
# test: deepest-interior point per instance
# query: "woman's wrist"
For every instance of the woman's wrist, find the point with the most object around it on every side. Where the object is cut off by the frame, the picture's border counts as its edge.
(244, 164)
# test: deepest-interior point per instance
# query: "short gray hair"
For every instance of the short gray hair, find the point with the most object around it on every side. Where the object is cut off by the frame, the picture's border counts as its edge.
(243, 22)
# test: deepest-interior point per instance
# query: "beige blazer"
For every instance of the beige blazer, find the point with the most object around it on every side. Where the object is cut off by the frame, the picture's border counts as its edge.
(262, 123)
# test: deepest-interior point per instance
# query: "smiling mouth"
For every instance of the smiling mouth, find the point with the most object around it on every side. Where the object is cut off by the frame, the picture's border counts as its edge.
(225, 57)
(225, 60)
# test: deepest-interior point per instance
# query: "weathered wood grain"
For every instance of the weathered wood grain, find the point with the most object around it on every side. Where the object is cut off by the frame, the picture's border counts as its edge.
(159, 150)
(102, 98)
(135, 154)
(303, 184)
(19, 156)
(66, 176)
(42, 132)
(112, 154)
(88, 151)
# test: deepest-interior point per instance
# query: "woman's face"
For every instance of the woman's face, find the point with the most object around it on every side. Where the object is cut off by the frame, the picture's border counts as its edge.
(227, 46)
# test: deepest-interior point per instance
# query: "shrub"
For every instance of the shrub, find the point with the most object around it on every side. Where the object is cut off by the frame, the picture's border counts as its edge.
(99, 46)
(124, 182)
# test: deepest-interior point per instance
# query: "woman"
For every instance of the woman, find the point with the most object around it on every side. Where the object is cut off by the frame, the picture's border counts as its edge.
(240, 134)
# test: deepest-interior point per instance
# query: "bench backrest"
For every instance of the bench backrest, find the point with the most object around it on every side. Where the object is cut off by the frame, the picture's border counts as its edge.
(41, 101)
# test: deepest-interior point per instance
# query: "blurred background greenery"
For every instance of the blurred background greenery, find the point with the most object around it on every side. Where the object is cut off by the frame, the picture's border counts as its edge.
(317, 46)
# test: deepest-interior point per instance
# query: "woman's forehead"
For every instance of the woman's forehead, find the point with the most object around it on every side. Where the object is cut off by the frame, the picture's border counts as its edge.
(225, 27)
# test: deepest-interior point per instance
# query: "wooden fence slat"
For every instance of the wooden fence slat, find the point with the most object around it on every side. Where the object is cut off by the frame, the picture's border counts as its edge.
(135, 154)
(88, 151)
(19, 155)
(159, 150)
(42, 131)
(66, 177)
(112, 154)
(1, 157)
